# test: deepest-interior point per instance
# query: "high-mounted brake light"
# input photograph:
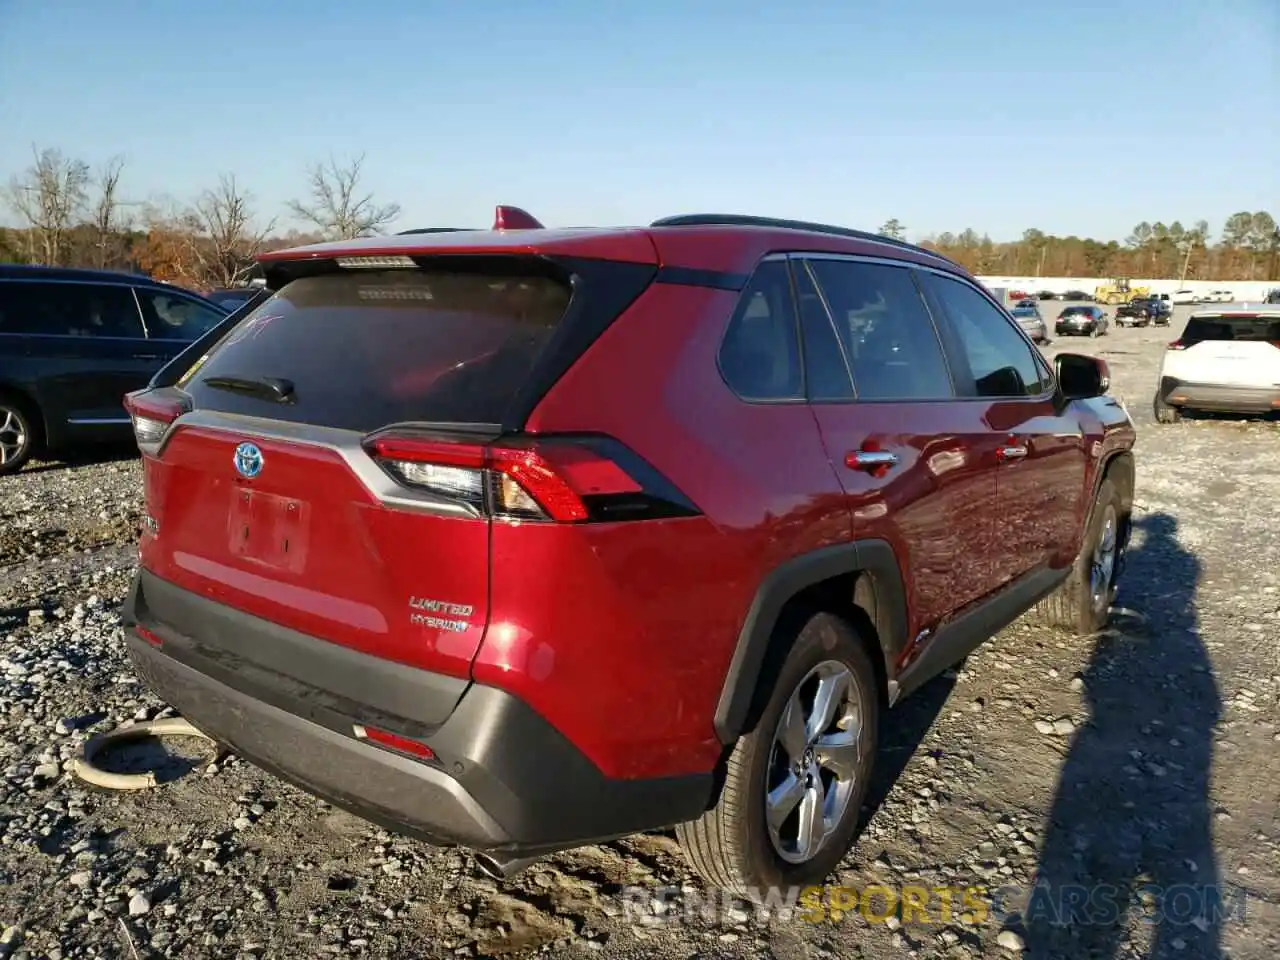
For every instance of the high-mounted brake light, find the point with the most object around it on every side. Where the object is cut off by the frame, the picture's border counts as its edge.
(151, 415)
(513, 218)
(374, 263)
(558, 480)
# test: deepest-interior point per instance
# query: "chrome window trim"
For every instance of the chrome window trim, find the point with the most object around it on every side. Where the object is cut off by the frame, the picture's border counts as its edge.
(1036, 356)
(933, 321)
(347, 444)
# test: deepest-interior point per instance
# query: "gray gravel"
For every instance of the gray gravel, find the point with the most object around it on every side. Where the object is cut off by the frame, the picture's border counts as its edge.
(1150, 755)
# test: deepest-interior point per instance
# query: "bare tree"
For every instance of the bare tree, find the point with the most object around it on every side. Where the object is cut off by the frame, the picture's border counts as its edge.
(51, 199)
(335, 206)
(108, 225)
(224, 241)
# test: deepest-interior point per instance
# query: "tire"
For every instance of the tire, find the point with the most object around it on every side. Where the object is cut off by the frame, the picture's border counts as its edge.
(17, 435)
(1076, 606)
(1164, 413)
(731, 846)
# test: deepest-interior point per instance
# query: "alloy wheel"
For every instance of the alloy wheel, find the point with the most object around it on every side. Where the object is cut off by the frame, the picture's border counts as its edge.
(13, 436)
(1103, 565)
(814, 762)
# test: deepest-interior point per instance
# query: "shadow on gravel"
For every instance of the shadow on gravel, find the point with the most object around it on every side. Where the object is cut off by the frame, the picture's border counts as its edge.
(901, 738)
(116, 452)
(1128, 858)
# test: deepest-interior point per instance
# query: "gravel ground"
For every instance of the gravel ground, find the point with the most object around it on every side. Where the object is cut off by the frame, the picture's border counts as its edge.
(1149, 756)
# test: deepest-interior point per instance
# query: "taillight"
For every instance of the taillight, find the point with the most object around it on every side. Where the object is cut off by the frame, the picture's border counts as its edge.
(1176, 345)
(561, 480)
(152, 415)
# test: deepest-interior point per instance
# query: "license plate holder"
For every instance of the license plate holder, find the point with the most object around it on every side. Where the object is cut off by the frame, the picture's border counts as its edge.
(268, 529)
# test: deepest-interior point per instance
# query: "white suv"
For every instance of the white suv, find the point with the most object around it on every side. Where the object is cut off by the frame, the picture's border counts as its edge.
(1226, 361)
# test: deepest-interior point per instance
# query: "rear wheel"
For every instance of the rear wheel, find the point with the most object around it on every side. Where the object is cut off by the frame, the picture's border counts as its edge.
(17, 435)
(1164, 412)
(794, 785)
(1082, 604)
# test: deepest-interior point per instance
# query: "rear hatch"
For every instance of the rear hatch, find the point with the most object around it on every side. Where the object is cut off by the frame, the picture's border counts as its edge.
(1231, 349)
(328, 465)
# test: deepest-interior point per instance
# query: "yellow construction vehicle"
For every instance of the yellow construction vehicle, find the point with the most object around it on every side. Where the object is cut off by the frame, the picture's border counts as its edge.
(1119, 291)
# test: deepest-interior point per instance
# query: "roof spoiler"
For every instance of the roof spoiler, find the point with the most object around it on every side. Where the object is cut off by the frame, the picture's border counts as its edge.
(513, 218)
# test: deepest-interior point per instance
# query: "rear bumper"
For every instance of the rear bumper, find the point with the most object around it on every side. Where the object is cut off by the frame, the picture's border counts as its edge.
(1219, 398)
(1070, 328)
(502, 779)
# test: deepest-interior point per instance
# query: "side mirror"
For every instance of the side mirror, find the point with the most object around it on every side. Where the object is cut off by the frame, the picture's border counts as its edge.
(1081, 377)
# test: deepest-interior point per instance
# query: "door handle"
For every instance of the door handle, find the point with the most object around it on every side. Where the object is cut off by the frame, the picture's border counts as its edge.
(146, 356)
(870, 459)
(1010, 452)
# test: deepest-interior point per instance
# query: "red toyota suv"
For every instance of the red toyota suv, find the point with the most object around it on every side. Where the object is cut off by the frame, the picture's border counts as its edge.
(522, 539)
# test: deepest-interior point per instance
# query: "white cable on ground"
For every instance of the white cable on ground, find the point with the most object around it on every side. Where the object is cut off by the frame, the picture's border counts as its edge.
(83, 763)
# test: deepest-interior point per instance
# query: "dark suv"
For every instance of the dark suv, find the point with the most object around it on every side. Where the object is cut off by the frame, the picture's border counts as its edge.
(73, 342)
(1142, 311)
(525, 539)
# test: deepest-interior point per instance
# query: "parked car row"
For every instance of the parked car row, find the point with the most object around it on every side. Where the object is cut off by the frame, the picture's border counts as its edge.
(1143, 312)
(1184, 296)
(74, 342)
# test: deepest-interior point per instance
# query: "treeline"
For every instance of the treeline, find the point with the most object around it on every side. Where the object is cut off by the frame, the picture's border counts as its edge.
(72, 215)
(1248, 248)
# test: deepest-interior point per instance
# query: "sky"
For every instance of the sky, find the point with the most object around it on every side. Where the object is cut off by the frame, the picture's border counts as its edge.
(1079, 117)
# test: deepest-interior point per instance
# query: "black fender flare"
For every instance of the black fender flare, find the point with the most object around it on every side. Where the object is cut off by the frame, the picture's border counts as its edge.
(780, 585)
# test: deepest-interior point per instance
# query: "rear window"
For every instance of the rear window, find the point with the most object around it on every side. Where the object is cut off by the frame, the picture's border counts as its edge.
(366, 349)
(1024, 311)
(1232, 328)
(1077, 311)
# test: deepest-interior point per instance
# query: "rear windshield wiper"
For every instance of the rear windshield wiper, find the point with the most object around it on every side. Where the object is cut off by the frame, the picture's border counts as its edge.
(265, 388)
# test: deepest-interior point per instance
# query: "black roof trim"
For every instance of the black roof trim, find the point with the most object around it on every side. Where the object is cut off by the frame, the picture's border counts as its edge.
(22, 271)
(745, 220)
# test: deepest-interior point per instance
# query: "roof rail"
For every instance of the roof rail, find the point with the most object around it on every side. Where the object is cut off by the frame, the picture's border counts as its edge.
(745, 220)
(405, 233)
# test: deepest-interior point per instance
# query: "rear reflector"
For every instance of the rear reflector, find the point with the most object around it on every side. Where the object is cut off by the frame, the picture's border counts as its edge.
(393, 741)
(1176, 345)
(557, 480)
(148, 636)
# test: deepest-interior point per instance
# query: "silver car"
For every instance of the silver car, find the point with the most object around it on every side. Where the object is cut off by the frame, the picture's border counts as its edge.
(1032, 323)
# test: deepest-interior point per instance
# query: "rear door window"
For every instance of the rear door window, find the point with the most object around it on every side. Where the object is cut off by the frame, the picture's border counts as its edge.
(366, 349)
(171, 316)
(887, 332)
